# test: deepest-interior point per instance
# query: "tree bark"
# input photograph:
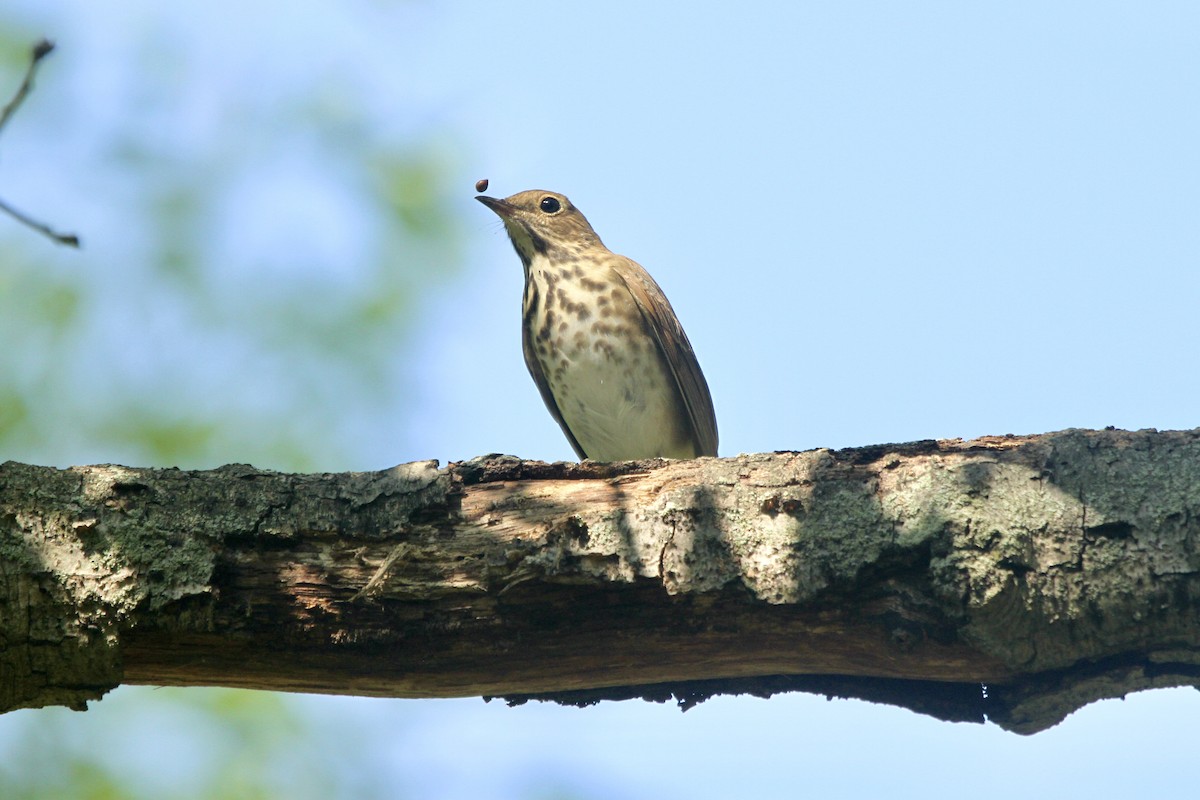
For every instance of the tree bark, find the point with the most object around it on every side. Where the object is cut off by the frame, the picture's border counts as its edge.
(1008, 578)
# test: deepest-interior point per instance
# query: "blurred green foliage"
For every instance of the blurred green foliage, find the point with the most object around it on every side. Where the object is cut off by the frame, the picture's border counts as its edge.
(254, 245)
(184, 744)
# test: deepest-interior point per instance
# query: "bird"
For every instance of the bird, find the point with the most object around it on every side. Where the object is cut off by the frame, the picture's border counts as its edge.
(601, 341)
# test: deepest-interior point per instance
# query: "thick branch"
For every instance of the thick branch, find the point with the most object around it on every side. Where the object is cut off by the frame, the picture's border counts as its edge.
(1054, 569)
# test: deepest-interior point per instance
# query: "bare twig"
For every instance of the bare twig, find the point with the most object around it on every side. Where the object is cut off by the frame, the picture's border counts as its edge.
(62, 238)
(40, 50)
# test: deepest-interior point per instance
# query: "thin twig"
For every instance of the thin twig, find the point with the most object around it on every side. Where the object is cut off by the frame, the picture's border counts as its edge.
(40, 51)
(62, 238)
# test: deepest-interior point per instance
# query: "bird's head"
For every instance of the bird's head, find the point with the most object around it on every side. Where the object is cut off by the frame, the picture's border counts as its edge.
(543, 223)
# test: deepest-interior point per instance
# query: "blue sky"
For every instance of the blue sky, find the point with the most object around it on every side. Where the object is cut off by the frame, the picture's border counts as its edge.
(878, 222)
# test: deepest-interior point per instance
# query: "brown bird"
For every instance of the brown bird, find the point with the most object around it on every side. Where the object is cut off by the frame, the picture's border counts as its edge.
(601, 341)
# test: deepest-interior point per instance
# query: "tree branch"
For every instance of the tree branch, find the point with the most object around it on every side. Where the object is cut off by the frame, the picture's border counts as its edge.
(43, 48)
(1008, 578)
(40, 50)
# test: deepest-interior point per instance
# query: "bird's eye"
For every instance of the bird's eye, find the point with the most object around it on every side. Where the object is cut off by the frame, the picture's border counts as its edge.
(550, 205)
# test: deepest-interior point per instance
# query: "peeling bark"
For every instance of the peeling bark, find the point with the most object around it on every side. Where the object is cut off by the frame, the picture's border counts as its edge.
(1008, 578)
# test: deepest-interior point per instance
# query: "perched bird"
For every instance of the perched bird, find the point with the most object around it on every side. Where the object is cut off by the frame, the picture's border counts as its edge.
(601, 341)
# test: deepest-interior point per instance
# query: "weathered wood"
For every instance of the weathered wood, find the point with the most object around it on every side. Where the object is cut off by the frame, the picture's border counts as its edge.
(1010, 578)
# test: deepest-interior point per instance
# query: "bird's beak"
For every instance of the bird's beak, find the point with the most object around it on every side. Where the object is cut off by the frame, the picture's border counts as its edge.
(503, 209)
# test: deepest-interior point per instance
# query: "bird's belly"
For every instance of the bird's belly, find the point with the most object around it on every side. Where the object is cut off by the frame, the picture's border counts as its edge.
(619, 401)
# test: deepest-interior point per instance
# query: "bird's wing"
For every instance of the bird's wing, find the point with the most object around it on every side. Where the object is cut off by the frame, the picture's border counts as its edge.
(674, 345)
(539, 377)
